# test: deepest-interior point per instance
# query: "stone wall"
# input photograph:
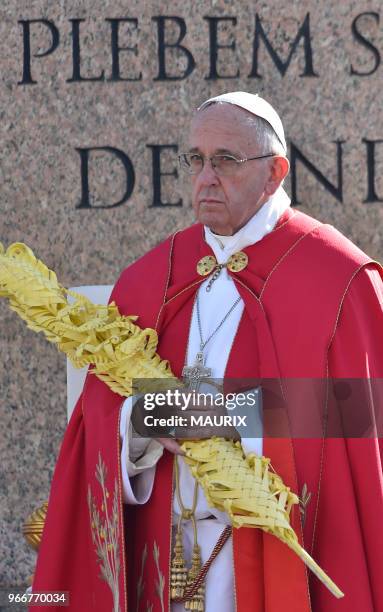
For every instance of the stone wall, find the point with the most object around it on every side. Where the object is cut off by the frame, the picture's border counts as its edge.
(95, 99)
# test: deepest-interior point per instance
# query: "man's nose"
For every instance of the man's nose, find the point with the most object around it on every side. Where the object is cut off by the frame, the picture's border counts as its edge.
(208, 175)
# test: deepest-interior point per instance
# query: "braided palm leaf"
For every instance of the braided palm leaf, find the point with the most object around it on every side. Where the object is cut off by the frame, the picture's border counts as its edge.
(249, 491)
(89, 334)
(244, 487)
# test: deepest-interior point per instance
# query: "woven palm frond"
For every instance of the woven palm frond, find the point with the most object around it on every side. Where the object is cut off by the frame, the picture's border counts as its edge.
(89, 334)
(244, 487)
(249, 491)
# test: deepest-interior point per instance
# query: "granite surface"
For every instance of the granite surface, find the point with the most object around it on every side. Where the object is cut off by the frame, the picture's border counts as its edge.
(43, 124)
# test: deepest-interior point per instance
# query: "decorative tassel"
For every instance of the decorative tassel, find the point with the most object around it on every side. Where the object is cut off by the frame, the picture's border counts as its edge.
(179, 572)
(34, 525)
(198, 600)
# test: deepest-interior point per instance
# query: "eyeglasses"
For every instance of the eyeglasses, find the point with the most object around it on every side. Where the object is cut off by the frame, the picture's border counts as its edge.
(223, 165)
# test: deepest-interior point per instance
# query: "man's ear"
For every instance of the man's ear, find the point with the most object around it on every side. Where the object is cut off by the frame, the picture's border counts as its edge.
(279, 169)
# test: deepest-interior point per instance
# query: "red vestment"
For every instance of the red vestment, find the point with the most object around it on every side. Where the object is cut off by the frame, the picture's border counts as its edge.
(313, 309)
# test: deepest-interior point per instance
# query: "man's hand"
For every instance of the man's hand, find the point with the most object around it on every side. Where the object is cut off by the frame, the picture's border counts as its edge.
(171, 445)
(188, 430)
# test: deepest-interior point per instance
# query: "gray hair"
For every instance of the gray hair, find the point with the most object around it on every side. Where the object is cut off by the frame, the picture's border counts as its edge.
(264, 135)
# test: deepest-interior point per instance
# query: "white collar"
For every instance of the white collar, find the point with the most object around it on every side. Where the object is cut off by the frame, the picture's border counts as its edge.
(262, 223)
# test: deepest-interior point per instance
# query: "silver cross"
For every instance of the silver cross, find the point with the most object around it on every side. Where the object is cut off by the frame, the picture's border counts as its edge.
(196, 372)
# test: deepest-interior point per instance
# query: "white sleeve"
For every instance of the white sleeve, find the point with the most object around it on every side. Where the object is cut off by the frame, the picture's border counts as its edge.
(138, 459)
(254, 424)
(252, 445)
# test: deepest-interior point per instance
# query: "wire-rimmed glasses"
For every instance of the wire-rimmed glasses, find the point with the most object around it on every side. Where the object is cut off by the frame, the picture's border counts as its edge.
(223, 164)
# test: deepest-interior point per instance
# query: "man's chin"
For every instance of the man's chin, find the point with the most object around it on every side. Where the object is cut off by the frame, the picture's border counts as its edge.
(212, 220)
(214, 227)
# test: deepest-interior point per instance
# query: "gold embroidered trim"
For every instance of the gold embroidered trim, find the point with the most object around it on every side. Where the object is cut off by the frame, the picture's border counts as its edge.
(105, 533)
(167, 278)
(327, 391)
(304, 502)
(160, 582)
(121, 511)
(284, 257)
(140, 583)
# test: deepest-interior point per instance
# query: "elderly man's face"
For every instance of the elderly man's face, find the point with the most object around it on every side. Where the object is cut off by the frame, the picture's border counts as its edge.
(226, 203)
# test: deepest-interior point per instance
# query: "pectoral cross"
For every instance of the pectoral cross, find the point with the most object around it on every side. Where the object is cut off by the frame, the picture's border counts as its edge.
(197, 372)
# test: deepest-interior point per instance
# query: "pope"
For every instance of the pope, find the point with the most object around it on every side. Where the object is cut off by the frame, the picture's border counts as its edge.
(253, 291)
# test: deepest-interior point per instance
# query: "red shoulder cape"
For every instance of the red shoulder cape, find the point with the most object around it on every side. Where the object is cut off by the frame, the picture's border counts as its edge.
(294, 290)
